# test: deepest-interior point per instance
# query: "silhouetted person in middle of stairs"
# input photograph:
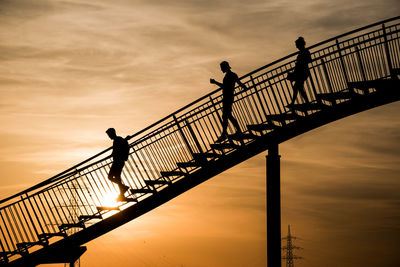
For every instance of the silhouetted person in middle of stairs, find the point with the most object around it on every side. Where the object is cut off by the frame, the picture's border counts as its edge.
(120, 154)
(228, 89)
(301, 71)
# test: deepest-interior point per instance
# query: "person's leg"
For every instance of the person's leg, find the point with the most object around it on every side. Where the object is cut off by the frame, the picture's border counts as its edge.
(303, 91)
(295, 91)
(117, 177)
(111, 173)
(235, 123)
(225, 115)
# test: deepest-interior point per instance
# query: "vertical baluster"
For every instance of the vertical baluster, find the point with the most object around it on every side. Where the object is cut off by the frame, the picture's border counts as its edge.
(274, 95)
(196, 141)
(328, 80)
(259, 99)
(183, 136)
(360, 64)
(389, 61)
(346, 78)
(29, 215)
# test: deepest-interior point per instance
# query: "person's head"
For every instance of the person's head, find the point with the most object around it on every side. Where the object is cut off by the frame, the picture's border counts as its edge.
(224, 66)
(111, 133)
(300, 43)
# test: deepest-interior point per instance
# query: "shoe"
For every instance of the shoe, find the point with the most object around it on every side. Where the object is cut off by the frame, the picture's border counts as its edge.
(124, 188)
(221, 138)
(121, 198)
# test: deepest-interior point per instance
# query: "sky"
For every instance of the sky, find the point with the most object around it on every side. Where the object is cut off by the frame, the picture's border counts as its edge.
(71, 69)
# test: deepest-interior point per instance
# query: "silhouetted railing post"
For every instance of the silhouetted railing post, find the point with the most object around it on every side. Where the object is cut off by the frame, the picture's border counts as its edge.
(273, 207)
(259, 98)
(196, 141)
(183, 136)
(389, 61)
(360, 63)
(29, 215)
(346, 78)
(328, 80)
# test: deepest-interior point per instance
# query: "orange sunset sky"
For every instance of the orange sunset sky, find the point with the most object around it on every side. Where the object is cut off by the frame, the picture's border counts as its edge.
(71, 69)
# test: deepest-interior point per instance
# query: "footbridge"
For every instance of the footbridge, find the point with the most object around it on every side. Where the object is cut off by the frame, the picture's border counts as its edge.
(51, 221)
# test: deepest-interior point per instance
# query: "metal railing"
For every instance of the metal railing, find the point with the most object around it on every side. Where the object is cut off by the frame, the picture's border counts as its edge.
(50, 210)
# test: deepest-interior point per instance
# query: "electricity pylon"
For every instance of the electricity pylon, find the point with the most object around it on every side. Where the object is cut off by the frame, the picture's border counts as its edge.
(290, 257)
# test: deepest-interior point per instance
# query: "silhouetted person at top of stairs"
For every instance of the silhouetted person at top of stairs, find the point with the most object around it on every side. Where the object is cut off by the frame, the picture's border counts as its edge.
(120, 154)
(228, 88)
(301, 71)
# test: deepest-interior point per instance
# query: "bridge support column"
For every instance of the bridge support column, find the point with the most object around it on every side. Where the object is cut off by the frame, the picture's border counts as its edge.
(273, 207)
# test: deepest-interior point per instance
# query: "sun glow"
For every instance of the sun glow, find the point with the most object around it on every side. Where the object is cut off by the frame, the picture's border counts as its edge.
(109, 200)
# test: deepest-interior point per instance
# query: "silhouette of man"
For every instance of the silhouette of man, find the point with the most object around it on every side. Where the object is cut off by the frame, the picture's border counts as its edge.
(228, 88)
(120, 154)
(301, 71)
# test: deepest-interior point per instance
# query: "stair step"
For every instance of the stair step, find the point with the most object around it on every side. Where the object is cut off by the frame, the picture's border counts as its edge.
(222, 146)
(24, 245)
(107, 208)
(189, 164)
(71, 225)
(140, 191)
(126, 199)
(284, 117)
(376, 84)
(242, 136)
(332, 97)
(307, 106)
(48, 235)
(204, 156)
(172, 173)
(261, 127)
(154, 182)
(90, 217)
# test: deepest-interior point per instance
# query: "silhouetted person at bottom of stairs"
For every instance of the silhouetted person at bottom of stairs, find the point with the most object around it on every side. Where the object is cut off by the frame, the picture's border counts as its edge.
(120, 154)
(301, 71)
(228, 88)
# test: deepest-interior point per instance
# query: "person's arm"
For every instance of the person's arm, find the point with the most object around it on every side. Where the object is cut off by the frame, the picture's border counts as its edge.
(215, 82)
(244, 87)
(308, 58)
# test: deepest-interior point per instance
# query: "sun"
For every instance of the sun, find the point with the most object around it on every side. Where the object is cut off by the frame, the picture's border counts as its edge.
(109, 200)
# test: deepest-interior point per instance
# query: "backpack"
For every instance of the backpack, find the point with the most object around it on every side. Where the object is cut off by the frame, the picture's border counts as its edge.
(125, 150)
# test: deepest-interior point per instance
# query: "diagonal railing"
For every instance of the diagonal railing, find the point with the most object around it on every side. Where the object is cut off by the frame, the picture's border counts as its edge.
(181, 143)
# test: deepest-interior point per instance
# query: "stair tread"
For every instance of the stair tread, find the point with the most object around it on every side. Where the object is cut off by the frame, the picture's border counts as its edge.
(335, 96)
(26, 244)
(86, 217)
(307, 106)
(188, 164)
(242, 136)
(126, 199)
(140, 190)
(151, 182)
(172, 173)
(71, 225)
(101, 208)
(261, 127)
(46, 235)
(206, 155)
(283, 116)
(370, 83)
(222, 146)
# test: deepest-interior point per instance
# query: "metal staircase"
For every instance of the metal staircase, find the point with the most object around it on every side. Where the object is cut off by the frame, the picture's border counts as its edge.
(49, 222)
